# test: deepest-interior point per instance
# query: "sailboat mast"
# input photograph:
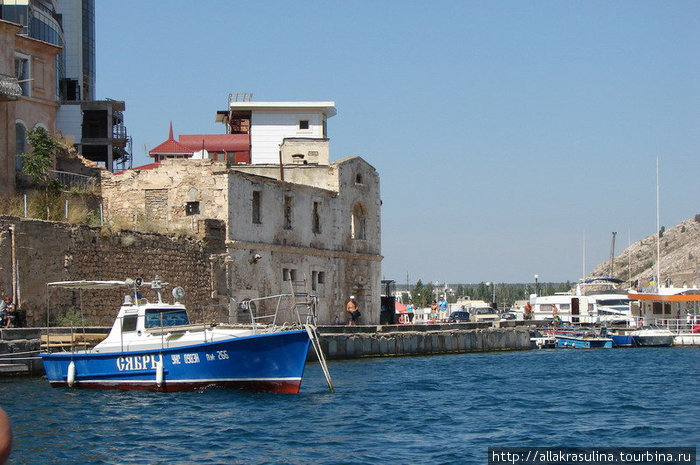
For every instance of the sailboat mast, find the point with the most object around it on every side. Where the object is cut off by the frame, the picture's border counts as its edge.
(612, 255)
(658, 229)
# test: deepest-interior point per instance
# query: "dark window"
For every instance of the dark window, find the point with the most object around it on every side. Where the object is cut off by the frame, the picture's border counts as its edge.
(192, 208)
(316, 218)
(303, 124)
(287, 212)
(20, 146)
(358, 179)
(129, 323)
(257, 217)
(22, 73)
(318, 278)
(169, 317)
(289, 274)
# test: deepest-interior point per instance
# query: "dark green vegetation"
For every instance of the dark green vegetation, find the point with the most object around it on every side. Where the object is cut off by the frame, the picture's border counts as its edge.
(506, 294)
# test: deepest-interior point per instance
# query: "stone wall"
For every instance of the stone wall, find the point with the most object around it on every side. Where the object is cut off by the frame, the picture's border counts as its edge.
(49, 251)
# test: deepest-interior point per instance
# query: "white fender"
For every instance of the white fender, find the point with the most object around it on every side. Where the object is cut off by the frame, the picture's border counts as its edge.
(71, 374)
(160, 372)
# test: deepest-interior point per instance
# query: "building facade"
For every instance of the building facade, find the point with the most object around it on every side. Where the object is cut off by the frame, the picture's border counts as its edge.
(267, 124)
(96, 126)
(28, 66)
(319, 229)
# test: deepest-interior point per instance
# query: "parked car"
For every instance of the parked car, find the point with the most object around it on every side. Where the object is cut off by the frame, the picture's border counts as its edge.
(460, 316)
(508, 316)
(482, 314)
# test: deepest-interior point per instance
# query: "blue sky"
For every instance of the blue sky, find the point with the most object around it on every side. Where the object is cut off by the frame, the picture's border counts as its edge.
(503, 131)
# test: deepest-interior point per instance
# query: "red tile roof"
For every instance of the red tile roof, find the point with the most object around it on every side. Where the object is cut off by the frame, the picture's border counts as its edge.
(170, 147)
(149, 166)
(216, 142)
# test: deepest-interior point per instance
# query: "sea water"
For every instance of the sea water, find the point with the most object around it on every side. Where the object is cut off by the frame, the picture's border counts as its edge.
(438, 409)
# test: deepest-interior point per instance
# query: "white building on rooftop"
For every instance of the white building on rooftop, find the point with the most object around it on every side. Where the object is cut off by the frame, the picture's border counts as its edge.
(269, 123)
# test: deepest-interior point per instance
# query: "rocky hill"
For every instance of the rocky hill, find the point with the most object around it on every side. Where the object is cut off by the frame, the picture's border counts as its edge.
(680, 257)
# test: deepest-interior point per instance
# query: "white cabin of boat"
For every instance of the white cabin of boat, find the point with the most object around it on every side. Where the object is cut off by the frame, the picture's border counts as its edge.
(144, 325)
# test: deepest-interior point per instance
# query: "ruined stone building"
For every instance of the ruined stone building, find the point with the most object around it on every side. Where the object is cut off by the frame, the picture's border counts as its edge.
(304, 223)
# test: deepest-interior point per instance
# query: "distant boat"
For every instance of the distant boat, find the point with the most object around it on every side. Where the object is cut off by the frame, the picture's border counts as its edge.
(154, 346)
(675, 309)
(595, 300)
(581, 340)
(652, 336)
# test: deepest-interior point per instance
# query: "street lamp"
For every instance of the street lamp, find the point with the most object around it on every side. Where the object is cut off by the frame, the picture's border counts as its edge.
(536, 293)
(493, 299)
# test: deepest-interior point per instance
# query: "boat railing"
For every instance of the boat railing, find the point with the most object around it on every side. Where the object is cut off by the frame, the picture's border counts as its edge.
(69, 339)
(267, 311)
(678, 326)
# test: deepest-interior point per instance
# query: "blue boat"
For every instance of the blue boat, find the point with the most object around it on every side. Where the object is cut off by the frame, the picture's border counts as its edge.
(619, 339)
(622, 340)
(573, 339)
(153, 346)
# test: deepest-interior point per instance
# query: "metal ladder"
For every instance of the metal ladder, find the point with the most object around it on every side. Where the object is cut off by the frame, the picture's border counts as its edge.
(308, 303)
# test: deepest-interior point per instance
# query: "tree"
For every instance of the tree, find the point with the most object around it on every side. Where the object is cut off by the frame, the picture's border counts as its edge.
(418, 294)
(38, 162)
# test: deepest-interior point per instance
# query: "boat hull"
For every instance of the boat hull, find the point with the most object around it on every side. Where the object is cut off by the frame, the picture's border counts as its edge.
(620, 340)
(271, 362)
(654, 341)
(573, 342)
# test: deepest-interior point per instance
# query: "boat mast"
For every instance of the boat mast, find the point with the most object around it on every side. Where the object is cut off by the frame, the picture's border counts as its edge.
(658, 229)
(583, 261)
(612, 255)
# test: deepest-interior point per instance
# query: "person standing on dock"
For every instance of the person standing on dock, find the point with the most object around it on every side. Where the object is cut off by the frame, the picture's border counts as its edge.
(442, 304)
(353, 312)
(3, 308)
(409, 308)
(9, 312)
(556, 319)
(433, 311)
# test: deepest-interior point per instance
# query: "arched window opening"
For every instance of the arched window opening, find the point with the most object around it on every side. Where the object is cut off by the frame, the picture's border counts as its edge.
(20, 145)
(359, 222)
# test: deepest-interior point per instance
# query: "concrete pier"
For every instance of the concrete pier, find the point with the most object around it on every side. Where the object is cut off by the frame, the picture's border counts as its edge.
(18, 349)
(345, 342)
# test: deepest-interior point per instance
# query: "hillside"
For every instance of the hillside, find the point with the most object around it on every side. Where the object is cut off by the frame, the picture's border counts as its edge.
(680, 257)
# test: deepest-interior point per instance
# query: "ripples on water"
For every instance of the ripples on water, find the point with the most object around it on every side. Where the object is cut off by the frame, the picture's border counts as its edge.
(440, 409)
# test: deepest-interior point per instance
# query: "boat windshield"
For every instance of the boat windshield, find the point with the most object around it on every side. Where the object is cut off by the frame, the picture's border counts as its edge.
(611, 302)
(170, 317)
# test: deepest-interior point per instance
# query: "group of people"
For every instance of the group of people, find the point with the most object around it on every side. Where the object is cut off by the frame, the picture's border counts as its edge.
(7, 313)
(438, 310)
